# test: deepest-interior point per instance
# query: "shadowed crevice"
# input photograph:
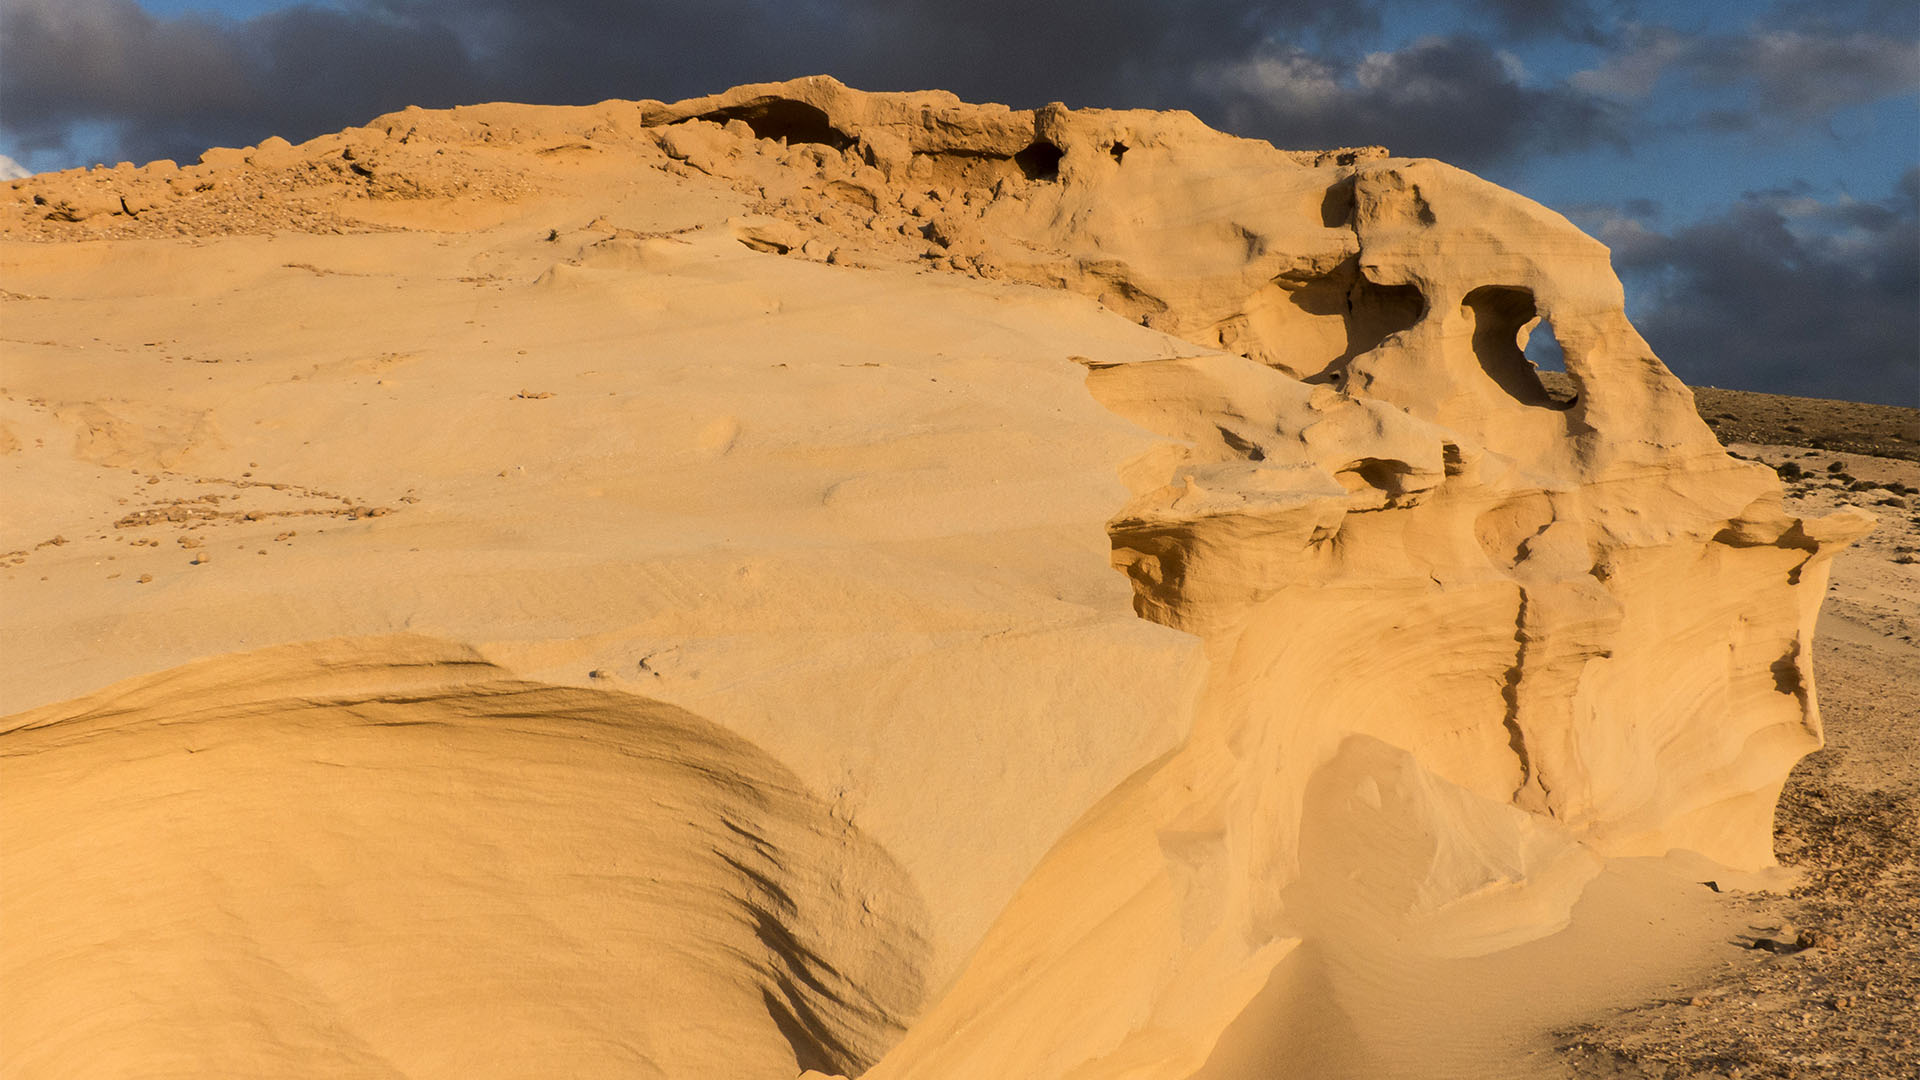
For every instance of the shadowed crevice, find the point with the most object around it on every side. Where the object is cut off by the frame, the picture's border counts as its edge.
(793, 121)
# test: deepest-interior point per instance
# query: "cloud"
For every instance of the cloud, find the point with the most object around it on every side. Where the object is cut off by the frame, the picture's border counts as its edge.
(1451, 97)
(64, 62)
(1793, 76)
(1575, 20)
(1634, 69)
(1805, 76)
(11, 169)
(170, 87)
(1897, 18)
(1094, 52)
(1784, 292)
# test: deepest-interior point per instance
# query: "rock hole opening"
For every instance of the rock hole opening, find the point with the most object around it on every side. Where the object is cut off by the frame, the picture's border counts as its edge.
(1313, 326)
(1542, 349)
(1040, 160)
(1502, 316)
(1118, 150)
(1336, 206)
(1377, 312)
(794, 121)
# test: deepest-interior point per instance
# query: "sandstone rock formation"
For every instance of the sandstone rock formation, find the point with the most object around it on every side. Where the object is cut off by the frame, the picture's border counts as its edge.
(686, 641)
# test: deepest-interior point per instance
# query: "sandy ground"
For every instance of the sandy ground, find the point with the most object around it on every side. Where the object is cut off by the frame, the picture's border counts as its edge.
(1811, 423)
(1823, 981)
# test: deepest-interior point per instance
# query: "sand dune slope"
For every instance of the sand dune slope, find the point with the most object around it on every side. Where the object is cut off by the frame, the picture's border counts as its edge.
(241, 810)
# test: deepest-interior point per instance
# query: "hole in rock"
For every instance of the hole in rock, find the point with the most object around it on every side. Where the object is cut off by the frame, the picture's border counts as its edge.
(1040, 160)
(1543, 350)
(1499, 314)
(1118, 150)
(794, 121)
(1312, 327)
(1336, 206)
(1377, 312)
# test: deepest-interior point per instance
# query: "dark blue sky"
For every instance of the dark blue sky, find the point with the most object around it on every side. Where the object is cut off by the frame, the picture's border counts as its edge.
(1754, 166)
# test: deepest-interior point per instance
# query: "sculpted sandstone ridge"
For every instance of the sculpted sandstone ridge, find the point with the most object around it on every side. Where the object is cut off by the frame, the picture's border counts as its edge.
(803, 579)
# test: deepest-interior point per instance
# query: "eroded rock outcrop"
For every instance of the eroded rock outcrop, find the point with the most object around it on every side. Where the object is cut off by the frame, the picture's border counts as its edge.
(1467, 641)
(1526, 632)
(818, 539)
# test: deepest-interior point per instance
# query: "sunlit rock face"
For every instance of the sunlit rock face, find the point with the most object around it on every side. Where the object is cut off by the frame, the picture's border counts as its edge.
(805, 579)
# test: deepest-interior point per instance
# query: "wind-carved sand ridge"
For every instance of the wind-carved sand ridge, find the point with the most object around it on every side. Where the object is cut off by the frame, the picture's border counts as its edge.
(716, 664)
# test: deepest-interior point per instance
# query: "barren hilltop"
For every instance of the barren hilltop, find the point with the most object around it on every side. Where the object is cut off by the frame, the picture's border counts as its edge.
(802, 580)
